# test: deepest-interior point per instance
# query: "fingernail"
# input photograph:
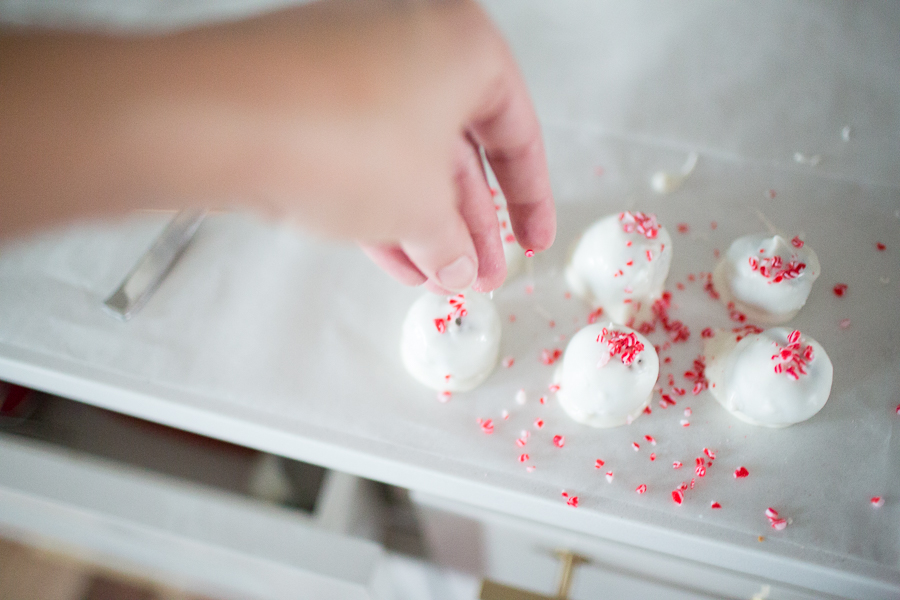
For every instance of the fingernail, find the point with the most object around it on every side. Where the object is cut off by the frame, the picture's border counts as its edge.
(458, 275)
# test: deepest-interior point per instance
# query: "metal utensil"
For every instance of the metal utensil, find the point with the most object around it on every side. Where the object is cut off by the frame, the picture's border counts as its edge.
(153, 267)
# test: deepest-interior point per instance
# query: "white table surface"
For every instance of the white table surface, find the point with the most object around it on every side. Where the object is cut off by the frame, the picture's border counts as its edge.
(274, 340)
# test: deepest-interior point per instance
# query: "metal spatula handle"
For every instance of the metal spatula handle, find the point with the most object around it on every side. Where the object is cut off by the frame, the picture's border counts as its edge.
(152, 268)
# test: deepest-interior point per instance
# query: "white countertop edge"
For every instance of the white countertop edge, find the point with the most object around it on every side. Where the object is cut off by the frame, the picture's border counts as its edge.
(781, 561)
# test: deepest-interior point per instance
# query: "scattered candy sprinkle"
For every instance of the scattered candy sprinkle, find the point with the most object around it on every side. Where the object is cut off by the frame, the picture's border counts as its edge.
(530, 468)
(622, 343)
(529, 253)
(678, 497)
(523, 457)
(839, 289)
(538, 423)
(741, 472)
(715, 505)
(642, 223)
(650, 439)
(548, 357)
(844, 323)
(652, 456)
(636, 446)
(487, 425)
(444, 397)
(677, 464)
(508, 361)
(685, 423)
(504, 414)
(599, 463)
(877, 501)
(881, 247)
(688, 412)
(641, 489)
(609, 476)
(559, 441)
(794, 357)
(709, 453)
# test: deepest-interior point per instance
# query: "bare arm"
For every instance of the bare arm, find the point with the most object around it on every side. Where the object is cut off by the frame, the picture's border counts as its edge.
(354, 119)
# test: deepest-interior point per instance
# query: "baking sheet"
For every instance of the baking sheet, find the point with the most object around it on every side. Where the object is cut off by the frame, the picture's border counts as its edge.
(276, 327)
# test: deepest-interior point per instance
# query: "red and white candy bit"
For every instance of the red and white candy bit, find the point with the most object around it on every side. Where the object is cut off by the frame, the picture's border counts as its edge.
(707, 333)
(877, 501)
(844, 323)
(771, 513)
(678, 331)
(559, 441)
(797, 242)
(684, 423)
(771, 194)
(521, 442)
(620, 343)
(609, 476)
(487, 425)
(554, 387)
(642, 223)
(692, 482)
(635, 446)
(592, 318)
(793, 358)
(774, 269)
(744, 331)
(598, 463)
(897, 410)
(715, 505)
(677, 464)
(688, 412)
(709, 453)
(444, 397)
(570, 500)
(508, 361)
(641, 489)
(683, 228)
(530, 468)
(881, 247)
(741, 472)
(776, 522)
(698, 375)
(523, 457)
(538, 423)
(652, 456)
(678, 497)
(700, 467)
(529, 253)
(548, 357)
(521, 398)
(650, 439)
(440, 325)
(504, 414)
(542, 400)
(839, 289)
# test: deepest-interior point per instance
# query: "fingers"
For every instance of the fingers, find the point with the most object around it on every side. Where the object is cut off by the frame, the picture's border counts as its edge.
(477, 209)
(445, 254)
(395, 263)
(507, 126)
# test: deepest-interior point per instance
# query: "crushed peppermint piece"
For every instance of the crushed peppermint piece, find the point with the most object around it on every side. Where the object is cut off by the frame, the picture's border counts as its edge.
(530, 468)
(508, 361)
(715, 505)
(881, 247)
(678, 497)
(778, 524)
(652, 456)
(642, 223)
(529, 253)
(677, 464)
(504, 414)
(707, 333)
(688, 412)
(521, 442)
(620, 343)
(877, 501)
(641, 489)
(709, 453)
(548, 357)
(797, 242)
(650, 439)
(698, 375)
(774, 268)
(444, 397)
(554, 387)
(683, 228)
(839, 289)
(636, 446)
(487, 425)
(793, 358)
(523, 457)
(538, 423)
(573, 502)
(559, 441)
(741, 472)
(599, 463)
(609, 476)
(685, 423)
(771, 513)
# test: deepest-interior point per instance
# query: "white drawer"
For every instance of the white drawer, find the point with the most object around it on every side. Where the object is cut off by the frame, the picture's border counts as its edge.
(523, 554)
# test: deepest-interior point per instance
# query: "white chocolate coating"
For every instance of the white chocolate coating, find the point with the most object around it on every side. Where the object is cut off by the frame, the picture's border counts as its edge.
(466, 350)
(512, 251)
(621, 271)
(601, 390)
(759, 292)
(743, 376)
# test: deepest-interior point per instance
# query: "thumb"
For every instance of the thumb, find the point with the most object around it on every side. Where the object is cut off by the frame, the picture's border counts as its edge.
(447, 255)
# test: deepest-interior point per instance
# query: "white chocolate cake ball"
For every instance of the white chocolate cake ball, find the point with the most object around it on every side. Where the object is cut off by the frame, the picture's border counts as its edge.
(607, 375)
(774, 378)
(451, 343)
(766, 277)
(620, 264)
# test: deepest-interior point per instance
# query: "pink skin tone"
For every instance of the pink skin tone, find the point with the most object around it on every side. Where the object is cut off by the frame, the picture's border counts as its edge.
(355, 120)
